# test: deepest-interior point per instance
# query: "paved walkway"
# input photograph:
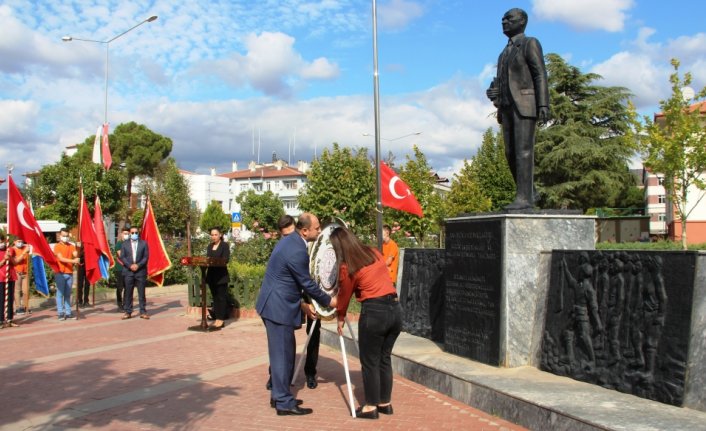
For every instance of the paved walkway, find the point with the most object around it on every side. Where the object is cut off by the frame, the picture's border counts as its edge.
(104, 373)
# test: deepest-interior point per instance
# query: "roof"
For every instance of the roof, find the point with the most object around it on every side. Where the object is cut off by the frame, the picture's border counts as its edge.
(262, 172)
(701, 107)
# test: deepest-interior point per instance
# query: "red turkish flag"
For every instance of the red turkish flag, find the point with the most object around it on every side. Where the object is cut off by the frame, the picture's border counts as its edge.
(396, 194)
(21, 223)
(158, 262)
(89, 242)
(107, 158)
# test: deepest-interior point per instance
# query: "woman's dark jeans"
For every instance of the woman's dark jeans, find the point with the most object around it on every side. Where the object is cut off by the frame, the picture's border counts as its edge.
(379, 325)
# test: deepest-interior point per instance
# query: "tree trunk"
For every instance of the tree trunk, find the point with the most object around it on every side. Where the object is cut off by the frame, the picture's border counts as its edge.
(683, 234)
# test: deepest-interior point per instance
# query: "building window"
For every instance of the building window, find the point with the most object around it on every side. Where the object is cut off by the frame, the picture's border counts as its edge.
(662, 199)
(660, 181)
(257, 187)
(269, 186)
(290, 205)
(661, 217)
(290, 185)
(243, 187)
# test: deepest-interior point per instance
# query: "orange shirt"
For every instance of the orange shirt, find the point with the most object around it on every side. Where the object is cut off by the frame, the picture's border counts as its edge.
(390, 249)
(22, 266)
(65, 250)
(371, 281)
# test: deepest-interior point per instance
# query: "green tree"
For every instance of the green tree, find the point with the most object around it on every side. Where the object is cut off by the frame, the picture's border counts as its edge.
(466, 195)
(213, 216)
(170, 197)
(490, 172)
(138, 150)
(55, 190)
(342, 183)
(260, 211)
(581, 156)
(418, 175)
(674, 144)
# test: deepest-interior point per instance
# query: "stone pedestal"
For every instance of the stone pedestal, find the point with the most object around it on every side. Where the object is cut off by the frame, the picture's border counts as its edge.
(497, 280)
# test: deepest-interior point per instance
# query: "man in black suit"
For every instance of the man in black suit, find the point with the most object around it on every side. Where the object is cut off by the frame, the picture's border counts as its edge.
(134, 255)
(521, 93)
(278, 303)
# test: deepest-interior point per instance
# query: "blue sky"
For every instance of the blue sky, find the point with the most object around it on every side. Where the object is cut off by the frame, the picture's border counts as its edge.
(298, 74)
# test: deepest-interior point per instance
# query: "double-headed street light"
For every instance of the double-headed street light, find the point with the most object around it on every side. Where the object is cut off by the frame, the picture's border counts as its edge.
(107, 47)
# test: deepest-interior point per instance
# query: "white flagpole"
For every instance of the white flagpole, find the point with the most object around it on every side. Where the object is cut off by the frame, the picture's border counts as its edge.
(348, 375)
(303, 354)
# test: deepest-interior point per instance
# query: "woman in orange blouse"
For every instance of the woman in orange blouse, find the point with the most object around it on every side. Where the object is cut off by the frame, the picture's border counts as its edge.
(362, 271)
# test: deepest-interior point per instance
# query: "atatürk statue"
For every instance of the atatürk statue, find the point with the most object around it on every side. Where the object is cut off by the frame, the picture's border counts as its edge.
(521, 94)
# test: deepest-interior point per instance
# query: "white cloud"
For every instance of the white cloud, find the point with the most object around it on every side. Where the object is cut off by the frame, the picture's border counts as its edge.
(607, 15)
(397, 14)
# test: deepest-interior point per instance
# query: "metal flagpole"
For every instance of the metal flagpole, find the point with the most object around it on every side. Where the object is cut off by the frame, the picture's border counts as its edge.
(8, 322)
(376, 103)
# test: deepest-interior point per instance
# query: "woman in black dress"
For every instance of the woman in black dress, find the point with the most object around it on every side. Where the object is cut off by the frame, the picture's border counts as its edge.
(217, 279)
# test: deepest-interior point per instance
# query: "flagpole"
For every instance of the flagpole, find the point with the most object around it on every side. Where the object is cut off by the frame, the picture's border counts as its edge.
(10, 167)
(376, 104)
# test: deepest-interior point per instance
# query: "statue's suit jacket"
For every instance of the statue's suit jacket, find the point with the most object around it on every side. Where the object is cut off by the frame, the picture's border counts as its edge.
(287, 274)
(526, 75)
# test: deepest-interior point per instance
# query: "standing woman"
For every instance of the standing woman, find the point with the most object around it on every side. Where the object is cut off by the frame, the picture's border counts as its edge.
(362, 270)
(217, 279)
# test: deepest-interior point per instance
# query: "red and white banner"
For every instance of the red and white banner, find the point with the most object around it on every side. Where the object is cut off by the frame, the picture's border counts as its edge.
(158, 262)
(396, 194)
(101, 148)
(22, 224)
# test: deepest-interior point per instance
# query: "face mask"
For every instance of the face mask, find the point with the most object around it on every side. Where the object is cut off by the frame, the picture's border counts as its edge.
(126, 236)
(2, 246)
(133, 236)
(64, 239)
(19, 244)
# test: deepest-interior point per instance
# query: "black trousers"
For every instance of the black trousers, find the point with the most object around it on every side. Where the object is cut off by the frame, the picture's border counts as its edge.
(312, 350)
(83, 287)
(378, 328)
(219, 293)
(133, 280)
(120, 289)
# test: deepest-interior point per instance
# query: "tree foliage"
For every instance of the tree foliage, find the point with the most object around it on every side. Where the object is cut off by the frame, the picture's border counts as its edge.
(170, 197)
(674, 144)
(581, 156)
(55, 190)
(260, 211)
(138, 149)
(466, 195)
(342, 183)
(490, 172)
(213, 216)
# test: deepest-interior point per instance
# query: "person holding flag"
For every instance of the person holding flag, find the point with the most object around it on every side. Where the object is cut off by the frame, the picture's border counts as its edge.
(8, 275)
(22, 251)
(67, 256)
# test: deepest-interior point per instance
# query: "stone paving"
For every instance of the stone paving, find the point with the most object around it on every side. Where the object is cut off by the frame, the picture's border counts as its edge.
(100, 372)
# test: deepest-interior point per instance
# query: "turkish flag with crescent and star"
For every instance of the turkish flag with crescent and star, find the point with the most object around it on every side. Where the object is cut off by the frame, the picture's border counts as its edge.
(22, 224)
(396, 194)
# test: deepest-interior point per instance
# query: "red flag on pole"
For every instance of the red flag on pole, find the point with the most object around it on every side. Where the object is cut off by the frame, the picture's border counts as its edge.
(89, 243)
(107, 158)
(396, 194)
(21, 223)
(158, 262)
(101, 237)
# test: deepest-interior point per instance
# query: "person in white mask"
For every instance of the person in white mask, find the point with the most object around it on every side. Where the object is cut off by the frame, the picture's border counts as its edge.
(120, 280)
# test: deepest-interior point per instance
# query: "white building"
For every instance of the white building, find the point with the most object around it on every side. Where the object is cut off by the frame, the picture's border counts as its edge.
(207, 188)
(655, 202)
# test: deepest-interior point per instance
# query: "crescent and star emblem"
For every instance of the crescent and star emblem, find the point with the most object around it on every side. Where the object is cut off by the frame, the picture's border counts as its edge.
(392, 188)
(21, 217)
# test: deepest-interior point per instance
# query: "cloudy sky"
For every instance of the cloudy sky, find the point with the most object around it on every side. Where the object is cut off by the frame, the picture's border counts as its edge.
(236, 80)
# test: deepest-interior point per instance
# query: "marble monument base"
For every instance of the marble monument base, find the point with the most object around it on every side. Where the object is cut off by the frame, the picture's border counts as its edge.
(496, 281)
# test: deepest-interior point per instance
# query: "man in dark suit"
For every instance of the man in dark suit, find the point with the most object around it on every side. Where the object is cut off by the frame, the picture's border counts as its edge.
(286, 277)
(134, 255)
(521, 93)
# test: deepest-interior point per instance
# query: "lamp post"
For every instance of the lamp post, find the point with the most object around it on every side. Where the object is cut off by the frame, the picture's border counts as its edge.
(107, 48)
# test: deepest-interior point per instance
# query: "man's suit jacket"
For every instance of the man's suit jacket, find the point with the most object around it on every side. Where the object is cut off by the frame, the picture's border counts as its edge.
(526, 75)
(141, 259)
(286, 276)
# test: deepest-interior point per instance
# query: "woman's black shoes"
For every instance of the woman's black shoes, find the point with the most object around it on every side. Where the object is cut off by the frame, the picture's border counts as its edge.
(386, 410)
(372, 414)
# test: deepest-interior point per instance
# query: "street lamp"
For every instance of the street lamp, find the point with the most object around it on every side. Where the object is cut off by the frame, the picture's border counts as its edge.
(107, 47)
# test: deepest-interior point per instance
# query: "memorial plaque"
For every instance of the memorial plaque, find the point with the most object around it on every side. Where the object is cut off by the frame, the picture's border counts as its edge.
(422, 293)
(621, 320)
(473, 276)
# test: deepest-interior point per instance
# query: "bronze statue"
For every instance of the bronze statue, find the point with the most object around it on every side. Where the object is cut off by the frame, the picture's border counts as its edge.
(521, 94)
